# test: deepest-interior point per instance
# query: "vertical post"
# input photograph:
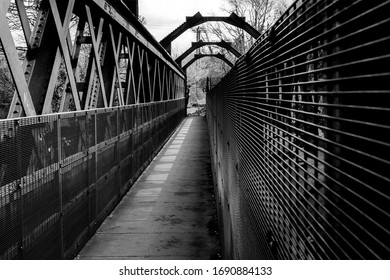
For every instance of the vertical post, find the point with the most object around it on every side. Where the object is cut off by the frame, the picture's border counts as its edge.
(96, 164)
(118, 150)
(19, 193)
(60, 186)
(87, 132)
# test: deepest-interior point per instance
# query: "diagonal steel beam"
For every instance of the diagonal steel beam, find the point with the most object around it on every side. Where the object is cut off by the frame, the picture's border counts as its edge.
(15, 67)
(92, 75)
(62, 31)
(130, 87)
(148, 82)
(163, 83)
(157, 95)
(154, 80)
(116, 50)
(24, 20)
(95, 48)
(40, 55)
(141, 87)
(47, 107)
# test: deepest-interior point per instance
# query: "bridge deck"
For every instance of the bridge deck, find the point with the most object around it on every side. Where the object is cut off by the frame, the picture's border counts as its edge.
(169, 213)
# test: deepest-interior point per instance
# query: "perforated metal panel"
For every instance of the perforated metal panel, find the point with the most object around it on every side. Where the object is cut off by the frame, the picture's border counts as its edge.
(300, 136)
(61, 175)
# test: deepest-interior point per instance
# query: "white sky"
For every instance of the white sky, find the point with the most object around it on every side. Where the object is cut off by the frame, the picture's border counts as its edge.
(163, 16)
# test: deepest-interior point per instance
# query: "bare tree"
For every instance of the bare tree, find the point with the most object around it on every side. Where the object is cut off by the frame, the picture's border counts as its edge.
(260, 14)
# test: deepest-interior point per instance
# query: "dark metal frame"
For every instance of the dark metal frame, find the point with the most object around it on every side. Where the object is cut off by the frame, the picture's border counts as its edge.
(199, 56)
(198, 19)
(196, 45)
(299, 133)
(61, 174)
(116, 39)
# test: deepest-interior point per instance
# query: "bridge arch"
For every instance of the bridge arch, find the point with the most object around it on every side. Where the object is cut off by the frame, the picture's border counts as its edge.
(199, 56)
(196, 45)
(198, 19)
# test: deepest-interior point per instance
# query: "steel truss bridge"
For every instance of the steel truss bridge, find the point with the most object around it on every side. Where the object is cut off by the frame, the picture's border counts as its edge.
(299, 128)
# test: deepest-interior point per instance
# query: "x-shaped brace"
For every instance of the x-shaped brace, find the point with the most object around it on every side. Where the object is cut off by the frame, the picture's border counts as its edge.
(62, 30)
(95, 47)
(130, 72)
(163, 82)
(141, 79)
(14, 63)
(154, 79)
(116, 51)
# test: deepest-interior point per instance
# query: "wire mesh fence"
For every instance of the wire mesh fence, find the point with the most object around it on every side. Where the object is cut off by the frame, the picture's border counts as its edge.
(300, 137)
(62, 174)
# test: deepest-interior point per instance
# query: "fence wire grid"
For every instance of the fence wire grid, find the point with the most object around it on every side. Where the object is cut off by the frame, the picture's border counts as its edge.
(62, 174)
(300, 137)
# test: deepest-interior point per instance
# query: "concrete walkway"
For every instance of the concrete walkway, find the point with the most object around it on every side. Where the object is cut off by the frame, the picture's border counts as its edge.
(169, 213)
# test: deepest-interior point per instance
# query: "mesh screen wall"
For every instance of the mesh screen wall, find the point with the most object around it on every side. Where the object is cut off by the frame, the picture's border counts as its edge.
(61, 175)
(300, 137)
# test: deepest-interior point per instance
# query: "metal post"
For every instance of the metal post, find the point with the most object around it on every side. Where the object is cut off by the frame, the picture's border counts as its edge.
(60, 186)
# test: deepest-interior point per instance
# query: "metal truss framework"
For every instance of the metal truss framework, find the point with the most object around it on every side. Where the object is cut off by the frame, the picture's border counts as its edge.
(125, 65)
(61, 175)
(198, 19)
(199, 56)
(196, 45)
(119, 96)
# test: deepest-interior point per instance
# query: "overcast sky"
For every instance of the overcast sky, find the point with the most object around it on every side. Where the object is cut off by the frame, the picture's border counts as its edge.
(163, 16)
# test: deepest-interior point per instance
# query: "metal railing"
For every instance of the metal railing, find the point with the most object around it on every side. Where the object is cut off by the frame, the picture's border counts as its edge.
(62, 174)
(299, 132)
(80, 55)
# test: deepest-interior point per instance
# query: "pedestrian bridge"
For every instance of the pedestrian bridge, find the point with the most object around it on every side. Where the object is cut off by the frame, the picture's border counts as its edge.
(98, 159)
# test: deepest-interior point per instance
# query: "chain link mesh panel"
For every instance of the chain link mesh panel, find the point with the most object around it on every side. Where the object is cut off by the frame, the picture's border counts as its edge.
(61, 175)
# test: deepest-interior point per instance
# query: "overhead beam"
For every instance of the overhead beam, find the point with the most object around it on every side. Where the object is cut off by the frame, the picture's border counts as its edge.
(196, 45)
(199, 56)
(133, 6)
(198, 19)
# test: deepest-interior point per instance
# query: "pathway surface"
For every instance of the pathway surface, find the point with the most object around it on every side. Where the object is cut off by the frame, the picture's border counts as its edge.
(169, 213)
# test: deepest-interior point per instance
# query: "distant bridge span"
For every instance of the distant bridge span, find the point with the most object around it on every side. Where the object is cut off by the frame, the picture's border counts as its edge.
(196, 45)
(199, 56)
(198, 19)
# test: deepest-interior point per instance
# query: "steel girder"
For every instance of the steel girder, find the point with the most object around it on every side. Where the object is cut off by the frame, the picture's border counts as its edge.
(196, 45)
(123, 63)
(199, 56)
(198, 19)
